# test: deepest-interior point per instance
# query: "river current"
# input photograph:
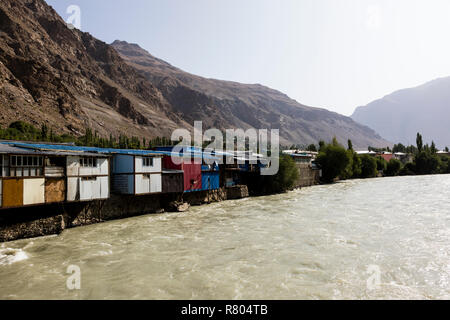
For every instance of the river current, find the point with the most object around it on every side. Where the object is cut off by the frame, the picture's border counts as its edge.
(386, 238)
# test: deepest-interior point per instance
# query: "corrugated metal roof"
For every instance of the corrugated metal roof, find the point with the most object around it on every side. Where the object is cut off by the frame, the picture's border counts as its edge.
(104, 151)
(5, 148)
(8, 149)
(80, 149)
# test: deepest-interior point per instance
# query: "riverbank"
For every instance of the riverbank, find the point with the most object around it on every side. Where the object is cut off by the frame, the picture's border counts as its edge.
(30, 222)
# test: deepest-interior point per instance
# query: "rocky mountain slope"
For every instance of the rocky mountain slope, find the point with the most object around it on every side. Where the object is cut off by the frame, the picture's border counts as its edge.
(400, 115)
(71, 81)
(226, 104)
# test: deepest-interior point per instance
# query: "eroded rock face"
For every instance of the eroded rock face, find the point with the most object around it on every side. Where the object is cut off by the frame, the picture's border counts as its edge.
(225, 104)
(70, 80)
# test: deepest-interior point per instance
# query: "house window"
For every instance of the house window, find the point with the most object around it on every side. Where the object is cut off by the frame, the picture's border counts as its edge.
(148, 162)
(1, 166)
(88, 162)
(55, 162)
(26, 166)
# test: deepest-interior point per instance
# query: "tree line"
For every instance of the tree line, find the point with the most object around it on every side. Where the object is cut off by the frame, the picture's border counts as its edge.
(338, 162)
(23, 131)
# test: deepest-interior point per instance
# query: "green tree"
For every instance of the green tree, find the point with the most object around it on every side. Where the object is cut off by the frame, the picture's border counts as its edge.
(312, 148)
(399, 148)
(433, 147)
(321, 145)
(368, 166)
(393, 167)
(426, 163)
(333, 160)
(419, 142)
(381, 164)
(350, 144)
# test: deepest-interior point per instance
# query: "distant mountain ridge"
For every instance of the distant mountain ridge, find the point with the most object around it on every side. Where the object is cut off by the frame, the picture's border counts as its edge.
(399, 116)
(71, 81)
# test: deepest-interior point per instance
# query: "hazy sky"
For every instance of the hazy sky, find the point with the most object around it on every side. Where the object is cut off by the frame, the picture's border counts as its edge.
(336, 54)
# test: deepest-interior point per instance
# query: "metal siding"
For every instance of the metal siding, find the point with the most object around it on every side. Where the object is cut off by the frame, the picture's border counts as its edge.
(210, 180)
(103, 165)
(96, 188)
(138, 164)
(192, 172)
(123, 164)
(73, 189)
(131, 184)
(155, 183)
(86, 190)
(142, 184)
(172, 182)
(104, 187)
(123, 183)
(86, 171)
(12, 193)
(33, 191)
(73, 166)
(154, 169)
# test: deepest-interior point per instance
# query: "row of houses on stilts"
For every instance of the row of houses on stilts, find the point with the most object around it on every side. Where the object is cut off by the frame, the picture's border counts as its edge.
(39, 173)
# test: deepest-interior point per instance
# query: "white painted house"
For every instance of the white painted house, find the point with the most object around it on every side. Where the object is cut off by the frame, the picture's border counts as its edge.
(137, 174)
(87, 178)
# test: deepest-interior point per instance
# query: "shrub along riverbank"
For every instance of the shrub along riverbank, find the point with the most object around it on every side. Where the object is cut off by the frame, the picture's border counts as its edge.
(337, 162)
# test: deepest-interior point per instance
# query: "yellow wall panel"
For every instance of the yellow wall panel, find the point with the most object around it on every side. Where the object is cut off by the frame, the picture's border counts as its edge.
(12, 193)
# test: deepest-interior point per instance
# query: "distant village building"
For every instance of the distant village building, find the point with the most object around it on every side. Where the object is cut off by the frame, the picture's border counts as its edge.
(404, 157)
(443, 153)
(386, 155)
(309, 172)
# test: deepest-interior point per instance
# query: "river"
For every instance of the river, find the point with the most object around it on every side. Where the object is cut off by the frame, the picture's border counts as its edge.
(386, 238)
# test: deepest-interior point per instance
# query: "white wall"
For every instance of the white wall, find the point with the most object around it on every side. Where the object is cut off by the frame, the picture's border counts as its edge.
(156, 183)
(73, 189)
(83, 190)
(104, 187)
(33, 191)
(73, 166)
(87, 189)
(148, 184)
(155, 168)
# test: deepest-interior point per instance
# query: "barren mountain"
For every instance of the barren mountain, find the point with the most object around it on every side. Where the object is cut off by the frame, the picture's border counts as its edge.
(400, 115)
(70, 80)
(226, 104)
(66, 78)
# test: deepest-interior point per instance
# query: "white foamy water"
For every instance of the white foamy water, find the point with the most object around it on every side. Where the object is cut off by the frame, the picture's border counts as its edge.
(9, 256)
(316, 243)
